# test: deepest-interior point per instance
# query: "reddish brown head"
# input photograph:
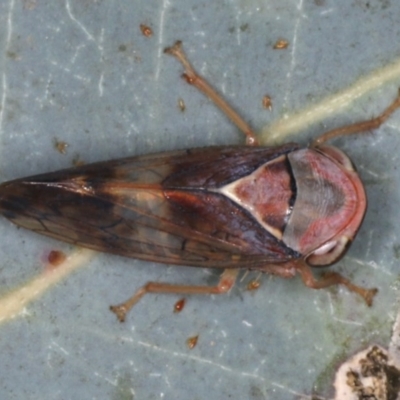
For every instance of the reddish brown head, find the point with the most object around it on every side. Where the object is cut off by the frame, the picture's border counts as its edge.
(330, 204)
(310, 199)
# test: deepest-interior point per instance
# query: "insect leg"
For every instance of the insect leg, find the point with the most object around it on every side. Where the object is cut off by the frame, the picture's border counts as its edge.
(333, 278)
(226, 281)
(193, 78)
(359, 127)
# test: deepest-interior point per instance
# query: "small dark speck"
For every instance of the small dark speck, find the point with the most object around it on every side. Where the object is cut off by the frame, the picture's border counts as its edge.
(396, 251)
(231, 30)
(10, 116)
(244, 27)
(12, 55)
(256, 393)
(122, 47)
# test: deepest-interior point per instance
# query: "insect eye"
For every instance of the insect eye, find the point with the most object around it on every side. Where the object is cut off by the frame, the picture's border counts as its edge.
(329, 252)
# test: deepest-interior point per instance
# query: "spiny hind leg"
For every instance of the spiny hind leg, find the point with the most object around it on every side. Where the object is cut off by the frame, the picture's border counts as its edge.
(226, 281)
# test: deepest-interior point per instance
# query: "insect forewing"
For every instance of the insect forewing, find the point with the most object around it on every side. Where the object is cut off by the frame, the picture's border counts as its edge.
(162, 207)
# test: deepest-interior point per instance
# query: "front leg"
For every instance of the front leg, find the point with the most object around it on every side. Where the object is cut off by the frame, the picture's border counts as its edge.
(195, 79)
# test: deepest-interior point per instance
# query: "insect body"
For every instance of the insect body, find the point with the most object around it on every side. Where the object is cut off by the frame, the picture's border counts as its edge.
(274, 209)
(227, 207)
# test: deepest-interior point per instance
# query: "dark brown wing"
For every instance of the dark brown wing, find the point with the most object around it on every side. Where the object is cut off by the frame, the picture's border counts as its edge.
(159, 207)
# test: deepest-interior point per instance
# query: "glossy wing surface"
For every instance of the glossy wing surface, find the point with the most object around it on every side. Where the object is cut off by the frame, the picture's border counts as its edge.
(159, 207)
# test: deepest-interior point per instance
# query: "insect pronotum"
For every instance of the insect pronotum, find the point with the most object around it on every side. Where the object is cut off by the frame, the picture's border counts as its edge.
(279, 210)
